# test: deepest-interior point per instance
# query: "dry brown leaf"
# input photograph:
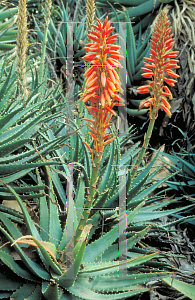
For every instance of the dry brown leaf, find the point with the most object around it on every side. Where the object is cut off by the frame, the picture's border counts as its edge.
(13, 204)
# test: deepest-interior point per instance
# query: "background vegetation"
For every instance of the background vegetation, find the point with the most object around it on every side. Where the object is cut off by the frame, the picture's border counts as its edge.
(46, 170)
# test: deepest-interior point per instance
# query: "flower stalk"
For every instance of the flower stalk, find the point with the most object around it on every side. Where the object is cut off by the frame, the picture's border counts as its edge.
(100, 97)
(157, 67)
(90, 10)
(22, 45)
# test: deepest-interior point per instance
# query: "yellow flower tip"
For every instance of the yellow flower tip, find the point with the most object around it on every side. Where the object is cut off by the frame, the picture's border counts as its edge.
(103, 79)
(102, 100)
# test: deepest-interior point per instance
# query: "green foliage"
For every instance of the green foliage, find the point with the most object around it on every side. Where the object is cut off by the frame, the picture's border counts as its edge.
(184, 164)
(59, 34)
(183, 287)
(43, 159)
(20, 125)
(46, 129)
(55, 258)
(67, 264)
(8, 29)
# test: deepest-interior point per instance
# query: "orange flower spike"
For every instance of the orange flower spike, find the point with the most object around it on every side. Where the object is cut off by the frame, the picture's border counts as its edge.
(87, 97)
(102, 82)
(89, 71)
(147, 75)
(99, 91)
(111, 92)
(146, 70)
(149, 59)
(91, 76)
(157, 66)
(161, 62)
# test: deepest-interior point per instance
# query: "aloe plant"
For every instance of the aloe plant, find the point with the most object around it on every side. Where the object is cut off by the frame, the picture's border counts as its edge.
(53, 243)
(20, 127)
(65, 267)
(55, 249)
(52, 275)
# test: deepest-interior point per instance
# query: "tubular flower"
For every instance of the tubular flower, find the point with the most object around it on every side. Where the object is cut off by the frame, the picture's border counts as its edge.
(102, 83)
(158, 66)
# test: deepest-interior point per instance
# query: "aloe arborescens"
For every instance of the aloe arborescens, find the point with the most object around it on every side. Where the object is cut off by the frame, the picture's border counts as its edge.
(157, 67)
(102, 86)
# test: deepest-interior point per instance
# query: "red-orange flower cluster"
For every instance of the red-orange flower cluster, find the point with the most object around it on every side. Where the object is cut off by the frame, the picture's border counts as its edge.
(102, 82)
(158, 66)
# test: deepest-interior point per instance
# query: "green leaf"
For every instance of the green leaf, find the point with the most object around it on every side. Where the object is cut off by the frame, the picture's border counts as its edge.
(13, 117)
(8, 13)
(9, 284)
(112, 252)
(144, 216)
(50, 291)
(67, 279)
(183, 287)
(24, 292)
(13, 230)
(31, 227)
(80, 196)
(131, 50)
(140, 10)
(135, 112)
(142, 195)
(80, 290)
(36, 293)
(55, 231)
(7, 169)
(31, 265)
(47, 249)
(93, 250)
(17, 269)
(112, 267)
(106, 175)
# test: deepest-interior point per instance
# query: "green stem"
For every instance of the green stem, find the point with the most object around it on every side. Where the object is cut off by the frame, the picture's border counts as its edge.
(144, 146)
(89, 202)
